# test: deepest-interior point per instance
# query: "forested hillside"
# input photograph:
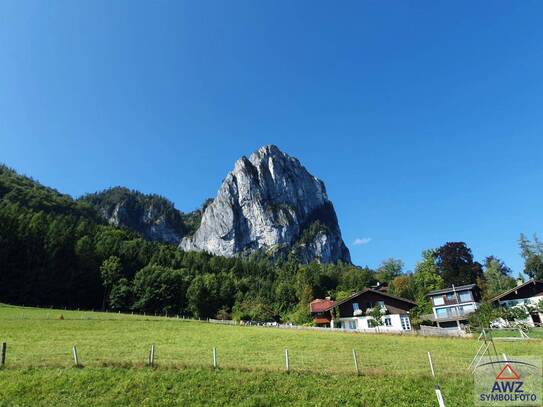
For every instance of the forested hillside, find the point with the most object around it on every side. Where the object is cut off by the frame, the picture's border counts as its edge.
(57, 251)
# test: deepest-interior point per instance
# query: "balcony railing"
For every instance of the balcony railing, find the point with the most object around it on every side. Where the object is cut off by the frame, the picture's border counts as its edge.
(452, 313)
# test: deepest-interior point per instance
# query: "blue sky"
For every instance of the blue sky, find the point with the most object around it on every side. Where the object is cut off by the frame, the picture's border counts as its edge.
(423, 118)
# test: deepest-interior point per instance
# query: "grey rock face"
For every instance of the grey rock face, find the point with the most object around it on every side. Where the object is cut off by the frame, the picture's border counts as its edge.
(151, 215)
(270, 202)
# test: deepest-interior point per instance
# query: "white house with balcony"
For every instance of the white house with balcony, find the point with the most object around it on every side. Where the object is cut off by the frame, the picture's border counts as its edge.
(354, 312)
(451, 306)
(527, 295)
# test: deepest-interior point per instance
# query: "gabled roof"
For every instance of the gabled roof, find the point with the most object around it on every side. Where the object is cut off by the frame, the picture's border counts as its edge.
(319, 305)
(512, 290)
(373, 291)
(451, 289)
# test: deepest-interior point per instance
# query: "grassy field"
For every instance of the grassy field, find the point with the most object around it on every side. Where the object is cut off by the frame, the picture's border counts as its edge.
(533, 333)
(113, 349)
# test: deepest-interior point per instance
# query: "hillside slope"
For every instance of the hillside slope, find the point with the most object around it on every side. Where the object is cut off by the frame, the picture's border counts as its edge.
(155, 217)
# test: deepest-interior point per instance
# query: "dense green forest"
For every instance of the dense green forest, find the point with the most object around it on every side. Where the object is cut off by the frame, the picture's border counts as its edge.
(57, 251)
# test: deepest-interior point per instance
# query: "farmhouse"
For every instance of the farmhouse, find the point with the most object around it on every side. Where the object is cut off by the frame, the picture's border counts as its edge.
(354, 312)
(452, 306)
(528, 294)
(320, 311)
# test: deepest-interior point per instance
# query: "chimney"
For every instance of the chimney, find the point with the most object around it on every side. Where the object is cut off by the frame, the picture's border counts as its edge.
(328, 298)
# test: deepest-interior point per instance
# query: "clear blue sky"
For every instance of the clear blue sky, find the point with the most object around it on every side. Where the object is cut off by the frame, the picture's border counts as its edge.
(424, 118)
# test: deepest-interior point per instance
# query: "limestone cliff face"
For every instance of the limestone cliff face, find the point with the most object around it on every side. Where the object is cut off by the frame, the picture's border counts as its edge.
(270, 202)
(153, 216)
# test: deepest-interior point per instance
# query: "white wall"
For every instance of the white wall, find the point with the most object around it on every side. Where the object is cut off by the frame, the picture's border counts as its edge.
(524, 301)
(362, 323)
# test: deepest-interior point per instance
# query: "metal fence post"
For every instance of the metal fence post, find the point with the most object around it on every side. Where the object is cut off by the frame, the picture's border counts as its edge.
(439, 396)
(152, 356)
(355, 358)
(74, 354)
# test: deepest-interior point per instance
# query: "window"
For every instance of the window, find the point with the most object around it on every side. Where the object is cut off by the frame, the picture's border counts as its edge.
(465, 296)
(350, 324)
(380, 304)
(441, 312)
(388, 321)
(450, 296)
(356, 307)
(406, 324)
(438, 300)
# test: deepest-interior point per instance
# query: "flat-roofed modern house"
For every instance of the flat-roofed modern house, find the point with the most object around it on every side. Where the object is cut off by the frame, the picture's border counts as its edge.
(528, 294)
(353, 313)
(452, 306)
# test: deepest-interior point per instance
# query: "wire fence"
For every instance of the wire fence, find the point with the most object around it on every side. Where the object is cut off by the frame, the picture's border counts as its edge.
(390, 356)
(346, 361)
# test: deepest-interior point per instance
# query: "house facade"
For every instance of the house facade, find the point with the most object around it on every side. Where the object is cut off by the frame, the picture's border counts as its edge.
(451, 306)
(528, 294)
(353, 313)
(321, 311)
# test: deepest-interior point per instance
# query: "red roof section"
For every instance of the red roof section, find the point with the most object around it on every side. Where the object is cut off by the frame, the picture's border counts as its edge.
(319, 305)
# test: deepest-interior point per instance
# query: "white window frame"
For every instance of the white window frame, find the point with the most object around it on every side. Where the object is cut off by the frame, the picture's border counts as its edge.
(406, 323)
(438, 300)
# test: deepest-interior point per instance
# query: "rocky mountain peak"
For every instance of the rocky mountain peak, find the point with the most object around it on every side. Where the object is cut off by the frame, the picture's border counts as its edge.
(270, 202)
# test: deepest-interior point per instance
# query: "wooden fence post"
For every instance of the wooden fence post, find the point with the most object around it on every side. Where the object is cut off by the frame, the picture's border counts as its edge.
(355, 358)
(152, 356)
(4, 349)
(74, 354)
(287, 365)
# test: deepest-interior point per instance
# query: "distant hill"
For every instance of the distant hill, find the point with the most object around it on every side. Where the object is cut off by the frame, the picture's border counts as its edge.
(154, 216)
(25, 192)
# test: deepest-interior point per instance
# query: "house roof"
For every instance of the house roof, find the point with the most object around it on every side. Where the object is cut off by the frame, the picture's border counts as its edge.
(373, 291)
(512, 290)
(320, 305)
(451, 289)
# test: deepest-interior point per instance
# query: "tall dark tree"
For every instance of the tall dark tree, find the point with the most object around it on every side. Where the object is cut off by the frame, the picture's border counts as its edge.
(455, 265)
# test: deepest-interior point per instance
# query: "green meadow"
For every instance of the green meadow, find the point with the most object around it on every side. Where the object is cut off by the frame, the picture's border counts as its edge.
(113, 351)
